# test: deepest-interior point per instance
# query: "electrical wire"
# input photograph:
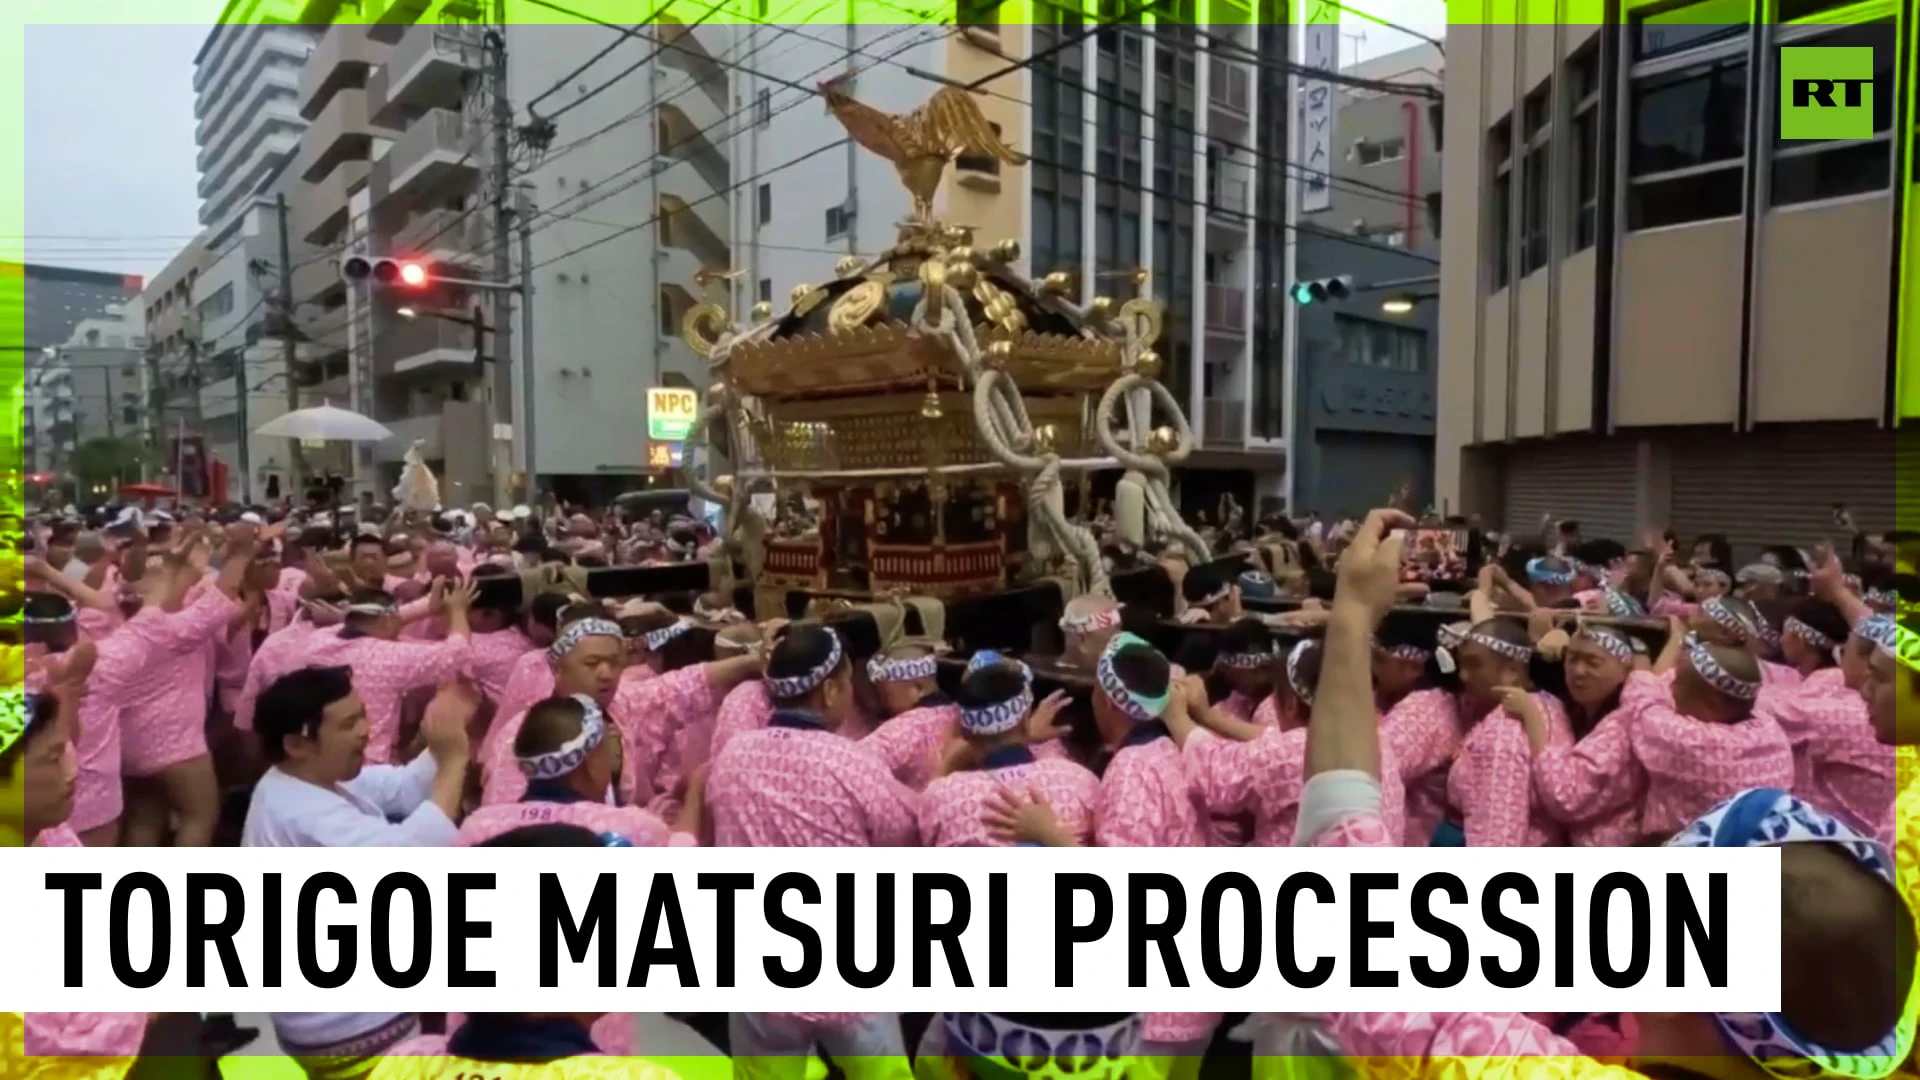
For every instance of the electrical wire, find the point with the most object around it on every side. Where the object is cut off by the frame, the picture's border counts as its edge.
(560, 84)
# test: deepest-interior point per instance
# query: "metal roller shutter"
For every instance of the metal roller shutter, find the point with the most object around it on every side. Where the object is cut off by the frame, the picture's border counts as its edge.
(1589, 481)
(1778, 486)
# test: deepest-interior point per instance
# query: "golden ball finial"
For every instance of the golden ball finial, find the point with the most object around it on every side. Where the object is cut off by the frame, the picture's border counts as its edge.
(1007, 251)
(849, 265)
(799, 293)
(762, 311)
(1058, 283)
(1148, 363)
(961, 273)
(1101, 309)
(1162, 440)
(1140, 275)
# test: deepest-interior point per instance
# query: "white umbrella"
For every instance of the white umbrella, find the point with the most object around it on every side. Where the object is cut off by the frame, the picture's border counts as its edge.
(325, 423)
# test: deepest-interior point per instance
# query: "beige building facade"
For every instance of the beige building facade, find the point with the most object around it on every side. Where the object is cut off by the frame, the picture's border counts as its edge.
(1654, 311)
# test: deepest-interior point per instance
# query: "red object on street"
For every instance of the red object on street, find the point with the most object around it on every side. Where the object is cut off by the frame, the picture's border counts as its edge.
(147, 491)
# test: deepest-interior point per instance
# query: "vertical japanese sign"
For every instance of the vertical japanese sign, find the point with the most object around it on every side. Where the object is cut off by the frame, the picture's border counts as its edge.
(1321, 52)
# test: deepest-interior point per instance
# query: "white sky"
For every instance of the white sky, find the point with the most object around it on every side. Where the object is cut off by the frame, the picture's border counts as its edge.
(110, 158)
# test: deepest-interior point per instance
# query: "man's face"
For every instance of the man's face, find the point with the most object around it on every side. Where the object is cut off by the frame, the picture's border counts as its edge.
(338, 749)
(370, 562)
(47, 772)
(592, 668)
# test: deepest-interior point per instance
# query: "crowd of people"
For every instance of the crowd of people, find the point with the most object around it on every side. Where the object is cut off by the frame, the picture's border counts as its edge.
(285, 679)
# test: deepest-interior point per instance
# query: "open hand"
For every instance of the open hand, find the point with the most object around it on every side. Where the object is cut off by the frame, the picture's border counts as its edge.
(1045, 723)
(1015, 817)
(1369, 571)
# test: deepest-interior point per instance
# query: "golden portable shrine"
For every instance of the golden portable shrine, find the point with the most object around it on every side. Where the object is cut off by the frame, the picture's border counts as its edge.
(911, 426)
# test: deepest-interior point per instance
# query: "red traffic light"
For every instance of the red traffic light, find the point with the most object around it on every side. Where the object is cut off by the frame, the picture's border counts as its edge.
(385, 272)
(413, 274)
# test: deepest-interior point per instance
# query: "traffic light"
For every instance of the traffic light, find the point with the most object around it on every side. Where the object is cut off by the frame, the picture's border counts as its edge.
(1322, 291)
(385, 273)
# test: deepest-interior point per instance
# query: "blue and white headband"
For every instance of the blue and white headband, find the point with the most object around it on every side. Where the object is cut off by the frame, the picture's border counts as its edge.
(1140, 708)
(1759, 574)
(65, 616)
(999, 718)
(1808, 634)
(1882, 599)
(794, 686)
(1104, 619)
(666, 635)
(1727, 619)
(1246, 661)
(577, 632)
(911, 669)
(1539, 573)
(1709, 575)
(1622, 606)
(1768, 817)
(1617, 645)
(1880, 630)
(1413, 653)
(1008, 1047)
(1717, 676)
(1452, 635)
(1212, 598)
(374, 608)
(1257, 584)
(1300, 688)
(563, 760)
(1519, 654)
(987, 658)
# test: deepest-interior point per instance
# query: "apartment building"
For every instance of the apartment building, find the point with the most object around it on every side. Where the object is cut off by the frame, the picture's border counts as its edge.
(1655, 311)
(245, 80)
(1364, 400)
(625, 201)
(92, 386)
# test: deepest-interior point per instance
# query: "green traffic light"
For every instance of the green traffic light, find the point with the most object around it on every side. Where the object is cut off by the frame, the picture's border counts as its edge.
(1302, 293)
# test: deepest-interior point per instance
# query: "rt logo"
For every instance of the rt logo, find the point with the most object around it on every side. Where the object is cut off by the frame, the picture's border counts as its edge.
(1826, 93)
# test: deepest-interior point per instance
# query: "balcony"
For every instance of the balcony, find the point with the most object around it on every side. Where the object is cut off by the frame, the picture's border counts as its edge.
(407, 346)
(320, 210)
(270, 83)
(685, 47)
(1226, 314)
(1223, 422)
(325, 330)
(427, 69)
(682, 140)
(444, 236)
(343, 58)
(314, 280)
(1230, 90)
(683, 226)
(431, 154)
(341, 133)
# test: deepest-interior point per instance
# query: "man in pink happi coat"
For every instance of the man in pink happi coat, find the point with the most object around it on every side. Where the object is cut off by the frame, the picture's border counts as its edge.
(386, 669)
(978, 802)
(921, 720)
(798, 783)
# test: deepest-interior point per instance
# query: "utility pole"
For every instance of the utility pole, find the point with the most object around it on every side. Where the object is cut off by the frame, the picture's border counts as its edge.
(524, 206)
(296, 458)
(500, 388)
(245, 452)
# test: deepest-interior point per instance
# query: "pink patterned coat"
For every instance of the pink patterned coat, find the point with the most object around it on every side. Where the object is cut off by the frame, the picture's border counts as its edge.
(1840, 765)
(529, 680)
(81, 1034)
(1422, 733)
(384, 673)
(1491, 785)
(639, 827)
(1264, 778)
(283, 653)
(794, 787)
(911, 743)
(952, 805)
(1692, 765)
(163, 704)
(655, 715)
(1594, 787)
(492, 660)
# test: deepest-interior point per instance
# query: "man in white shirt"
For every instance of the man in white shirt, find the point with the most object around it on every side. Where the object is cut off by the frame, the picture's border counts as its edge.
(318, 790)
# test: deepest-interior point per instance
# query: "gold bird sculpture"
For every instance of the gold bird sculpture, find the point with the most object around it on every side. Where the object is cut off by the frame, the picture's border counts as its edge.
(922, 142)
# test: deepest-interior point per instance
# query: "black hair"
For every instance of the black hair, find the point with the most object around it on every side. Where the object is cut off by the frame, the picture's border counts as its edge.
(1600, 553)
(1246, 636)
(1200, 583)
(47, 617)
(545, 836)
(356, 624)
(990, 686)
(361, 540)
(1143, 670)
(545, 610)
(804, 648)
(529, 543)
(1825, 618)
(294, 705)
(1787, 556)
(1308, 671)
(1321, 583)
(585, 609)
(1719, 549)
(549, 724)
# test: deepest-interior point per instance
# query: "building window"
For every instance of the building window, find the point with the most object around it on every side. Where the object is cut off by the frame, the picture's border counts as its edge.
(766, 203)
(1372, 152)
(763, 107)
(1536, 180)
(1687, 132)
(217, 305)
(1388, 346)
(839, 222)
(669, 326)
(1433, 214)
(1804, 172)
(766, 290)
(1500, 202)
(1584, 73)
(980, 163)
(1667, 29)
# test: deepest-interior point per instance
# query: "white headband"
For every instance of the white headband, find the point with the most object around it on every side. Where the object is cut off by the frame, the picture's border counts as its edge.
(565, 759)
(580, 631)
(882, 670)
(793, 686)
(661, 638)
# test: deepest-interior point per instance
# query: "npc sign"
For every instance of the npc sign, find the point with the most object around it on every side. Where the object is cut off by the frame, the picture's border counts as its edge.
(671, 413)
